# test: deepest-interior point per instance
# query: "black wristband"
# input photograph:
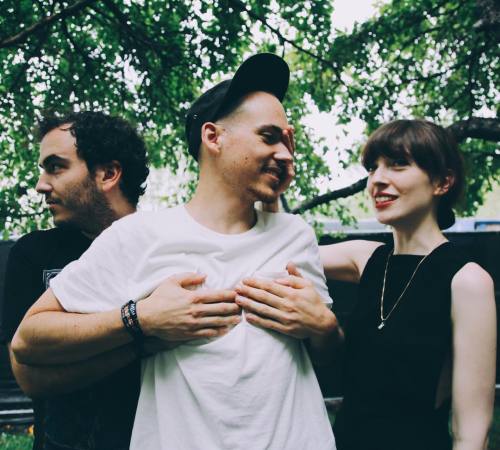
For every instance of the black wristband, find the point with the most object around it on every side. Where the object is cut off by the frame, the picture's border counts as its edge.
(131, 323)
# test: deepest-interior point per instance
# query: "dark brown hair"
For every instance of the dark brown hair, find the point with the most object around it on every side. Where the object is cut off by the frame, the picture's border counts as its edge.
(431, 147)
(100, 139)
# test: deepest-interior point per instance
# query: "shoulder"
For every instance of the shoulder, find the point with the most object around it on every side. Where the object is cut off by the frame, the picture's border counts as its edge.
(473, 307)
(472, 293)
(286, 222)
(139, 221)
(37, 242)
(472, 279)
(36, 237)
(147, 218)
(138, 230)
(280, 217)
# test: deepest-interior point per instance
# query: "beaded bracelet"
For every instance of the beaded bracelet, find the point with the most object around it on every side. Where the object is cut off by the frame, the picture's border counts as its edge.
(131, 323)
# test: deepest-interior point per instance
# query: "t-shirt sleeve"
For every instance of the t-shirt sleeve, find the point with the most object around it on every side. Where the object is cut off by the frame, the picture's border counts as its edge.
(310, 266)
(97, 281)
(22, 288)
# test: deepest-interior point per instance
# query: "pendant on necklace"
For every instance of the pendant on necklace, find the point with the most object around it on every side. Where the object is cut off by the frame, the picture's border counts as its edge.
(382, 325)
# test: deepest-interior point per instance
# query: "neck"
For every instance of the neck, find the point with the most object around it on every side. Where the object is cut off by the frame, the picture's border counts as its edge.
(418, 241)
(117, 210)
(220, 209)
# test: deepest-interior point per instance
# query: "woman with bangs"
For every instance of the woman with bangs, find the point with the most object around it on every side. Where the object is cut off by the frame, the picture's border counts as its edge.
(421, 339)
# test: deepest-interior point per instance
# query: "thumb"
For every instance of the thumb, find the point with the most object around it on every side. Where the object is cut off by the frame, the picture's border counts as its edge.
(187, 279)
(292, 270)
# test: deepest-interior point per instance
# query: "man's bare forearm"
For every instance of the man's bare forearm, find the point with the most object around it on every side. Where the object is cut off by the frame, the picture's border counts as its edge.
(57, 337)
(324, 346)
(47, 381)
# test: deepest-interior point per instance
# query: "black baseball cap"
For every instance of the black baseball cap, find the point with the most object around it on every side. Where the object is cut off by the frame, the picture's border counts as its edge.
(262, 72)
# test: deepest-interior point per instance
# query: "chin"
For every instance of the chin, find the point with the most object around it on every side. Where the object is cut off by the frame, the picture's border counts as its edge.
(267, 197)
(385, 219)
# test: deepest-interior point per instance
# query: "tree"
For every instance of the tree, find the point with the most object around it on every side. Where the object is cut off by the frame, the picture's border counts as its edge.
(148, 59)
(427, 58)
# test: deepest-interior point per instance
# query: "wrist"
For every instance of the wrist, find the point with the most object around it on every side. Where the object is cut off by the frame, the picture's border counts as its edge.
(331, 324)
(327, 325)
(143, 314)
(133, 327)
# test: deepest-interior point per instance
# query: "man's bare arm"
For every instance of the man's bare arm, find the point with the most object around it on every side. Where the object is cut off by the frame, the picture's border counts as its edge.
(49, 335)
(46, 381)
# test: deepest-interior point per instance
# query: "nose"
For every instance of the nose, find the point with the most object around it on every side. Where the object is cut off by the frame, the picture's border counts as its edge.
(378, 175)
(377, 179)
(43, 186)
(282, 153)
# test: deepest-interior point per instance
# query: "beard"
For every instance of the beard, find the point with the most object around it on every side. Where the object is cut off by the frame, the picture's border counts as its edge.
(90, 212)
(265, 194)
(265, 197)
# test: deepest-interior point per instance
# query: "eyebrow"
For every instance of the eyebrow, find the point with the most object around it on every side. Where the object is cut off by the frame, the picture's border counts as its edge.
(270, 128)
(51, 159)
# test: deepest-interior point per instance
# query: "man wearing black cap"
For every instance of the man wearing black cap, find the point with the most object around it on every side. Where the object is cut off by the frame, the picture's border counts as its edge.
(238, 386)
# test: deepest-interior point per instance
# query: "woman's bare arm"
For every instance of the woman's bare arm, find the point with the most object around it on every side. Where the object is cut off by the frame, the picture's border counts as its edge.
(346, 261)
(474, 357)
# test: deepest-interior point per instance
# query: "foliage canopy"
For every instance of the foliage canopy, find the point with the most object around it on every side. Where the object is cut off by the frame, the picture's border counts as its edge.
(148, 59)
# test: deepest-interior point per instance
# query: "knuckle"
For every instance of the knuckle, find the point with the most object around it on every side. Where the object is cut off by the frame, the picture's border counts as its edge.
(190, 323)
(195, 298)
(209, 333)
(195, 313)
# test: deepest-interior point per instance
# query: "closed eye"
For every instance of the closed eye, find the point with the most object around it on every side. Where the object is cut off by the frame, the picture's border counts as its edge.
(54, 168)
(271, 138)
(398, 162)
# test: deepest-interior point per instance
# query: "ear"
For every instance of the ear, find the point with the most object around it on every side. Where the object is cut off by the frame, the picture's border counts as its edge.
(444, 185)
(210, 137)
(108, 175)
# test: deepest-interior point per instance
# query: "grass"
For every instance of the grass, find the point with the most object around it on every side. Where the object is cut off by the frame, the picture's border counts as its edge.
(10, 441)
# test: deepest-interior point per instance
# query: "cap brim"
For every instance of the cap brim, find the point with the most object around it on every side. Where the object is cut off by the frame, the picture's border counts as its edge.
(262, 72)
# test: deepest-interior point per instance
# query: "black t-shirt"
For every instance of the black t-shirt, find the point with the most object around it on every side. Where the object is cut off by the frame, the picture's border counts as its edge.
(98, 417)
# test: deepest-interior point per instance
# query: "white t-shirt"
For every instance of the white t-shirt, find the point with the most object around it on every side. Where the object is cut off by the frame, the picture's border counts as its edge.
(249, 389)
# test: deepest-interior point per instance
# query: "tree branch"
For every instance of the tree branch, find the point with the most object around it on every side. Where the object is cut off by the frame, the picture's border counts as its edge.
(24, 67)
(282, 38)
(284, 203)
(354, 188)
(474, 127)
(45, 22)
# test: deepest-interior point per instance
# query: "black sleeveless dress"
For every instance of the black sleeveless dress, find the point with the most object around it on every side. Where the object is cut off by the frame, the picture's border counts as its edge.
(392, 374)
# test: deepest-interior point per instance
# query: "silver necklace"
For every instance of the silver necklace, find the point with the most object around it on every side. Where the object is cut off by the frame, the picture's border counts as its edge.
(382, 318)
